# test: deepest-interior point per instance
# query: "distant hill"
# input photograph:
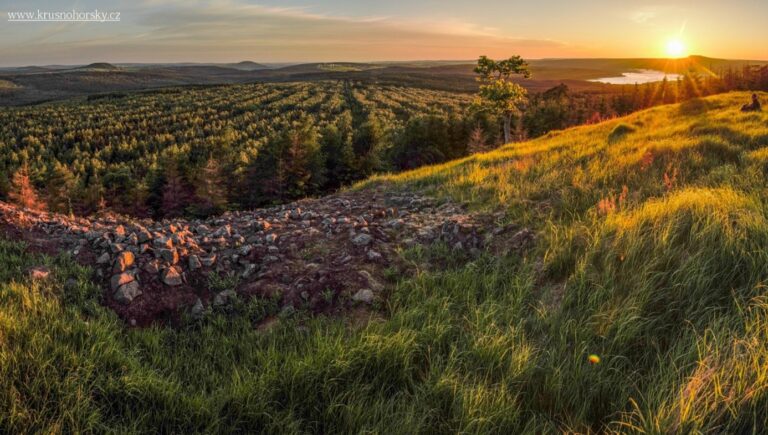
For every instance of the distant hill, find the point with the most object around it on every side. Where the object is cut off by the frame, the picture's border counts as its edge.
(56, 82)
(246, 65)
(104, 66)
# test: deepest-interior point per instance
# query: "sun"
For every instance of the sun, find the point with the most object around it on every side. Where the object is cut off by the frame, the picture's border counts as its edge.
(675, 48)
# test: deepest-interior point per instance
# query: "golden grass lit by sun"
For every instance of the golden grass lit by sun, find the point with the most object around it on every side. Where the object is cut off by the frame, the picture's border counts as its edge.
(675, 48)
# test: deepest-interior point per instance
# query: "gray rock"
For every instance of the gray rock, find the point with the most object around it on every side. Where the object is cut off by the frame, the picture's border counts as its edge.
(197, 309)
(426, 234)
(364, 295)
(194, 262)
(163, 243)
(178, 239)
(143, 236)
(127, 292)
(152, 267)
(249, 270)
(373, 255)
(103, 258)
(224, 297)
(123, 261)
(286, 312)
(372, 282)
(132, 239)
(362, 240)
(120, 279)
(208, 260)
(522, 240)
(172, 276)
(271, 238)
(169, 255)
(224, 231)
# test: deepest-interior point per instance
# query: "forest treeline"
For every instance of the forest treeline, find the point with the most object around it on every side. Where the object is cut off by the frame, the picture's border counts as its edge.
(201, 150)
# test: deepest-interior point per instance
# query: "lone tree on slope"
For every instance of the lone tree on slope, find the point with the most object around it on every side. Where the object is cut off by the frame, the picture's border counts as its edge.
(23, 192)
(498, 94)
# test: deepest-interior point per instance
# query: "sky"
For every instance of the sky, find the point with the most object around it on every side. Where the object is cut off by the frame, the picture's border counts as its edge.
(360, 30)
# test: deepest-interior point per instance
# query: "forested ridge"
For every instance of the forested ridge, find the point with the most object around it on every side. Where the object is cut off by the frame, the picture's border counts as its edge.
(199, 150)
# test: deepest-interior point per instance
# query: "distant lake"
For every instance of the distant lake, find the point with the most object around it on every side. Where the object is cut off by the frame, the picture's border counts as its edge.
(638, 76)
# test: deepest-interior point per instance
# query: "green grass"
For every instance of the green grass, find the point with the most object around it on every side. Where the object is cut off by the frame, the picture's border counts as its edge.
(650, 252)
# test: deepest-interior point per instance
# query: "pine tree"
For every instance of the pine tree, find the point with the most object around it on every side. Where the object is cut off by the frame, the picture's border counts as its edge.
(211, 195)
(23, 192)
(477, 143)
(336, 147)
(60, 188)
(175, 196)
(367, 145)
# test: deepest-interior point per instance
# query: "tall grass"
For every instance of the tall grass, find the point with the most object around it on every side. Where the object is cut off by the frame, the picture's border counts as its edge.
(666, 286)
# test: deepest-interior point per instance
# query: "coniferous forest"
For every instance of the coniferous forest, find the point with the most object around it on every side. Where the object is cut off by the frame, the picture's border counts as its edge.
(200, 150)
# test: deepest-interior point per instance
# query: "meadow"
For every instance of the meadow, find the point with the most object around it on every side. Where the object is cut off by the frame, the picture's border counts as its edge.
(649, 253)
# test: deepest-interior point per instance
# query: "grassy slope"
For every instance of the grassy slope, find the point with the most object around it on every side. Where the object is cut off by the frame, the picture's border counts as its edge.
(664, 282)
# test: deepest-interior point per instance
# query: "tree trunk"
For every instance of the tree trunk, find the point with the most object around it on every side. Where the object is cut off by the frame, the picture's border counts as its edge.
(507, 128)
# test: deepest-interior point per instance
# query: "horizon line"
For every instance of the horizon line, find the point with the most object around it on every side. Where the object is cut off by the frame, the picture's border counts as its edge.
(469, 61)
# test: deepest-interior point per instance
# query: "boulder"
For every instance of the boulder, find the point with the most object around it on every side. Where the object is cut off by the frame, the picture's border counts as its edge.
(132, 239)
(153, 267)
(224, 231)
(120, 279)
(208, 260)
(172, 276)
(362, 239)
(373, 255)
(171, 256)
(123, 261)
(163, 243)
(364, 295)
(127, 292)
(194, 262)
(142, 235)
(103, 258)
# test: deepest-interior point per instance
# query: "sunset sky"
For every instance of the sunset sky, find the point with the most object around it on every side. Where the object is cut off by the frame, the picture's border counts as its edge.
(358, 30)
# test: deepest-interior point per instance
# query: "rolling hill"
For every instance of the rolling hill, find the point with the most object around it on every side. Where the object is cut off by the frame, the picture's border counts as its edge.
(634, 301)
(53, 82)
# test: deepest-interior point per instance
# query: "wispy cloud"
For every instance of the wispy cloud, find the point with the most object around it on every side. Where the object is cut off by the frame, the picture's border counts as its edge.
(229, 30)
(643, 16)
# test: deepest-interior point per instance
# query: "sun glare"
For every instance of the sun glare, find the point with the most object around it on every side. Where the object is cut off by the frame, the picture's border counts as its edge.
(675, 48)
